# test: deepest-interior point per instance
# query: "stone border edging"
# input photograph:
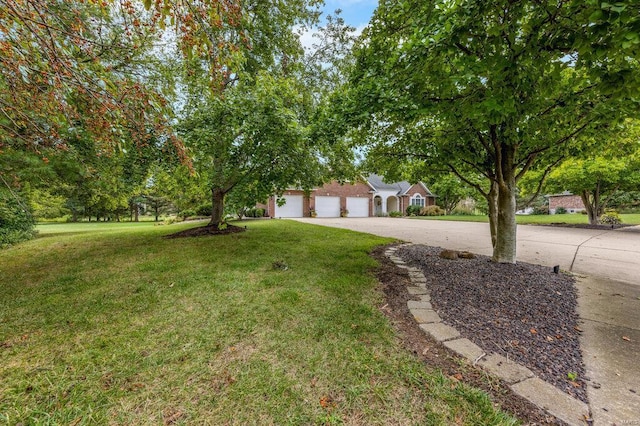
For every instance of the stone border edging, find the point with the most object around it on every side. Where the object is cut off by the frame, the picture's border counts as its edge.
(520, 379)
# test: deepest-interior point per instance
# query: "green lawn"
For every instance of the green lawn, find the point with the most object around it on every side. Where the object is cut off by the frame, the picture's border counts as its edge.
(629, 219)
(111, 324)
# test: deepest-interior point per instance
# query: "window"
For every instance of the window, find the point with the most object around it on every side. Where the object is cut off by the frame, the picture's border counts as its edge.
(417, 200)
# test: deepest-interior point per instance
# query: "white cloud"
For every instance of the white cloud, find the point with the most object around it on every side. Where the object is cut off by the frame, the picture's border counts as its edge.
(308, 40)
(306, 37)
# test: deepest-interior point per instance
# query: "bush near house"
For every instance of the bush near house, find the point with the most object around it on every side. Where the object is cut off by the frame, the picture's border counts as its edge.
(561, 210)
(413, 210)
(432, 211)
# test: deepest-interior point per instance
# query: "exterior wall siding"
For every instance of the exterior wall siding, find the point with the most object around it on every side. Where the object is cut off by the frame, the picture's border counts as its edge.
(569, 202)
(358, 189)
(417, 188)
(335, 189)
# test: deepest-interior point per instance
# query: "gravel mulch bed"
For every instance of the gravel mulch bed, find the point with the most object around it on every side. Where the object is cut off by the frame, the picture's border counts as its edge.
(523, 312)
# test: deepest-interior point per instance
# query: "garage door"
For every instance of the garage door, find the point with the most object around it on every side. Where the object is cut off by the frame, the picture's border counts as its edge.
(292, 207)
(328, 206)
(358, 207)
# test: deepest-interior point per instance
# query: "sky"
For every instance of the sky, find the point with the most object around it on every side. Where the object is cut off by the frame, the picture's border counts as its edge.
(355, 12)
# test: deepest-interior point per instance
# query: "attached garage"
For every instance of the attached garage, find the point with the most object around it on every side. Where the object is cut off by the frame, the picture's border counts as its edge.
(328, 206)
(292, 207)
(358, 206)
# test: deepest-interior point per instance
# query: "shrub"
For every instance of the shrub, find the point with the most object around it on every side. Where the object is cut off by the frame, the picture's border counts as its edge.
(540, 210)
(395, 214)
(611, 217)
(187, 213)
(16, 221)
(463, 211)
(561, 210)
(431, 211)
(204, 209)
(413, 210)
(254, 212)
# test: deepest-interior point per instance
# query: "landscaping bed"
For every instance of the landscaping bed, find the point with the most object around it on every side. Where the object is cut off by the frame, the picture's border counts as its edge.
(524, 312)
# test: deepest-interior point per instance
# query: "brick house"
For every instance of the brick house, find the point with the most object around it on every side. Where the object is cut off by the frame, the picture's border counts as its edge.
(366, 198)
(571, 203)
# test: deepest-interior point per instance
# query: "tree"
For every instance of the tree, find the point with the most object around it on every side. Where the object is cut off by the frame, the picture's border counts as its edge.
(253, 137)
(88, 62)
(450, 190)
(595, 179)
(46, 205)
(479, 88)
(596, 176)
(156, 192)
(16, 220)
(72, 64)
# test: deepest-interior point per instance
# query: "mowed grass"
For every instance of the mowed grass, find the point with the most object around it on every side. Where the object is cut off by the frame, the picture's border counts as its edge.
(627, 219)
(112, 324)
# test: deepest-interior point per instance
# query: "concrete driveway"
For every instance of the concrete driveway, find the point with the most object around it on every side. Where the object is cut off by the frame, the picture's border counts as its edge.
(607, 263)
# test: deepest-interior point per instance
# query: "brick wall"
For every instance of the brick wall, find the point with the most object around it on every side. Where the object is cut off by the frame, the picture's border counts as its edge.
(417, 188)
(569, 202)
(335, 189)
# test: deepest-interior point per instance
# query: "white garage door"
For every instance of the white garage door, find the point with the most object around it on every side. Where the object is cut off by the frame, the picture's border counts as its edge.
(328, 206)
(358, 207)
(292, 207)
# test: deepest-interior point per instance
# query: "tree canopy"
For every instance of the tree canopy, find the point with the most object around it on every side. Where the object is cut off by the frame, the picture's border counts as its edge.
(598, 176)
(252, 141)
(252, 138)
(486, 89)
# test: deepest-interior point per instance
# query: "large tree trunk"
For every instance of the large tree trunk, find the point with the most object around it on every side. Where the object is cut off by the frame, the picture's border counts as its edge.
(591, 204)
(492, 201)
(217, 211)
(504, 249)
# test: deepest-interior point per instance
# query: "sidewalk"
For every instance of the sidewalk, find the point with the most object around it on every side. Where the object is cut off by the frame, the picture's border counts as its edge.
(607, 263)
(610, 343)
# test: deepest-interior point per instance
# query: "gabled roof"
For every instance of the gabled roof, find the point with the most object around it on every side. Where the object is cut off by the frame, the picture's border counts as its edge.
(563, 194)
(378, 184)
(427, 190)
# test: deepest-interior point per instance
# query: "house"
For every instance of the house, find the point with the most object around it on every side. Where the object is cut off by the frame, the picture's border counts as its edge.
(369, 197)
(571, 203)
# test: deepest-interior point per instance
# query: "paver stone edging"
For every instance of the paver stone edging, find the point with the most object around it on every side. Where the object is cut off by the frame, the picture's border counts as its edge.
(521, 380)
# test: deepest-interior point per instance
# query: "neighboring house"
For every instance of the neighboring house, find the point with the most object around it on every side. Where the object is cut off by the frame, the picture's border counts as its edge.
(571, 203)
(369, 197)
(526, 210)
